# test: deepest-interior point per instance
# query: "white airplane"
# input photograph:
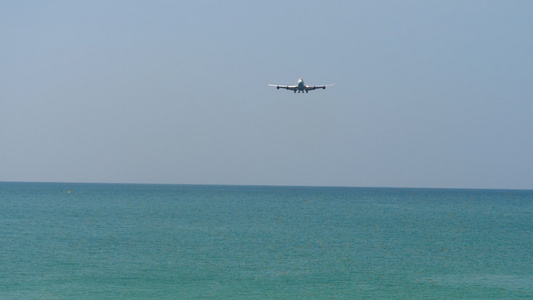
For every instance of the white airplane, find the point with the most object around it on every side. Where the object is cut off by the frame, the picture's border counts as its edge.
(300, 87)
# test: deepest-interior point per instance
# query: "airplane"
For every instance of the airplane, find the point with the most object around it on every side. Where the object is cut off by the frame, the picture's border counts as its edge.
(300, 87)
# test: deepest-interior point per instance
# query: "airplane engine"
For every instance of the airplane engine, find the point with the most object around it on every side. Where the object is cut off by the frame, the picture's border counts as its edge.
(277, 87)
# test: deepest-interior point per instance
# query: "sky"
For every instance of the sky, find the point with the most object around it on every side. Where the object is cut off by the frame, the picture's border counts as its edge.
(435, 94)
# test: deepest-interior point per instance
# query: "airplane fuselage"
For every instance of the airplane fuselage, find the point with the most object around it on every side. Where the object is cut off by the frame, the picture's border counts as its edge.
(301, 85)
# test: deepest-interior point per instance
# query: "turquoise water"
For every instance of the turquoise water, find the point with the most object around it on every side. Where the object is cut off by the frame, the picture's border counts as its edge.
(104, 241)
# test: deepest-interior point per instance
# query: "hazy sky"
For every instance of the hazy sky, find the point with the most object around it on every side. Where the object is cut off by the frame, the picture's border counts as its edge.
(427, 94)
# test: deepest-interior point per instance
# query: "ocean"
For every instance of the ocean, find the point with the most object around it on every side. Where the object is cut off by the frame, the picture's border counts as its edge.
(120, 241)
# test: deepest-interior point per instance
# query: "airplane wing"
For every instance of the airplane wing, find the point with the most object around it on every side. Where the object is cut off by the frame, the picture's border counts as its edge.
(314, 87)
(287, 87)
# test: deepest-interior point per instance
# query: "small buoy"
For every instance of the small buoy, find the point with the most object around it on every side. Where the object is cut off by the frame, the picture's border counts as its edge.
(69, 191)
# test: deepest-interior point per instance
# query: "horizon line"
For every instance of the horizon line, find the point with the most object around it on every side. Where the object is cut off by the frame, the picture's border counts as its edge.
(267, 185)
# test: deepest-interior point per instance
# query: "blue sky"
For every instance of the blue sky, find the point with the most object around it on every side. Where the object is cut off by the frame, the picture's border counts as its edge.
(427, 94)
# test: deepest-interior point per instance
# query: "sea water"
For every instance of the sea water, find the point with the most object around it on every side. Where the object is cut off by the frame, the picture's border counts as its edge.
(107, 241)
